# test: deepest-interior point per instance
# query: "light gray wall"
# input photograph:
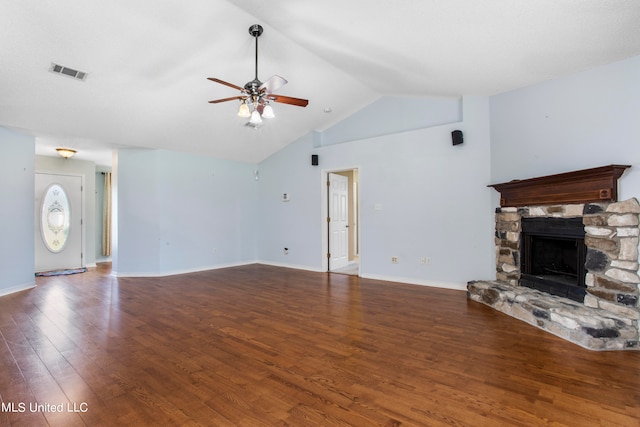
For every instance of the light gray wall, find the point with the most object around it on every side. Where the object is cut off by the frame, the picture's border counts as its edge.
(389, 115)
(87, 170)
(17, 214)
(579, 121)
(179, 212)
(294, 224)
(433, 195)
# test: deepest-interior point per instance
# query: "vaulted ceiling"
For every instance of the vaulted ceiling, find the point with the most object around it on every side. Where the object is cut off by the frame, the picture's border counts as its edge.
(147, 62)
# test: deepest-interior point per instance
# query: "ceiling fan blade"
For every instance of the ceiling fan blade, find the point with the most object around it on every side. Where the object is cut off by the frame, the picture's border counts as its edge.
(274, 83)
(288, 100)
(215, 101)
(222, 82)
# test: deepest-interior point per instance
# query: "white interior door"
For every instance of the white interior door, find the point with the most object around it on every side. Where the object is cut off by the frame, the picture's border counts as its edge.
(58, 217)
(338, 221)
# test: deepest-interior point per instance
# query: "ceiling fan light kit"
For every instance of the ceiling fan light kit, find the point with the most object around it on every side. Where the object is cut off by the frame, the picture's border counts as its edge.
(255, 96)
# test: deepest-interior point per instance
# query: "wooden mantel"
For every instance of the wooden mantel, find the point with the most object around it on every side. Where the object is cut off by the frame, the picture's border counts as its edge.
(583, 186)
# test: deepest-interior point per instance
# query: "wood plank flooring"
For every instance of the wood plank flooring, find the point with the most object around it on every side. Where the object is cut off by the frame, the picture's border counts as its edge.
(266, 346)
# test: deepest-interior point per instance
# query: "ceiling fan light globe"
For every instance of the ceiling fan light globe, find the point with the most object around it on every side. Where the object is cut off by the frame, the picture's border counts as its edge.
(255, 118)
(243, 111)
(268, 113)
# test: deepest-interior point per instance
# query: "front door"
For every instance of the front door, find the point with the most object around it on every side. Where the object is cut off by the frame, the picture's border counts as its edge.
(338, 221)
(58, 216)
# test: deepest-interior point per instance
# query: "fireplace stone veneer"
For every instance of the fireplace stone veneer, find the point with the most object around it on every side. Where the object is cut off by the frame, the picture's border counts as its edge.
(608, 319)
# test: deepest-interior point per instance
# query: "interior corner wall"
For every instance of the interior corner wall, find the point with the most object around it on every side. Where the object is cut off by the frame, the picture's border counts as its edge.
(579, 121)
(420, 196)
(18, 183)
(179, 213)
(294, 224)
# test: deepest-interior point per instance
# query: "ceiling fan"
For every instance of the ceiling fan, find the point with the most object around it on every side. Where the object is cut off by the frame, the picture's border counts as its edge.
(256, 95)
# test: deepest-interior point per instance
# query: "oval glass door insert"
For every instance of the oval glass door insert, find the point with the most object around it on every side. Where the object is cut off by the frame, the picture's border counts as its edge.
(54, 218)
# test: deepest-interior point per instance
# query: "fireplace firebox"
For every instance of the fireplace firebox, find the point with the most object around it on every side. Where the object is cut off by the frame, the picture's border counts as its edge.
(553, 255)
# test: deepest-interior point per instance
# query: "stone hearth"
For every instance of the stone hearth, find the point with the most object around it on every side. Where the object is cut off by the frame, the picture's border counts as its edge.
(592, 328)
(609, 317)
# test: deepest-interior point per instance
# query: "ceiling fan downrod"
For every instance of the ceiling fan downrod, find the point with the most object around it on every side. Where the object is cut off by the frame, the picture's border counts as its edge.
(256, 30)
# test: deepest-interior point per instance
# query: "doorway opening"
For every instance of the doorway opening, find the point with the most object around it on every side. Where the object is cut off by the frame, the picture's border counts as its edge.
(342, 221)
(59, 231)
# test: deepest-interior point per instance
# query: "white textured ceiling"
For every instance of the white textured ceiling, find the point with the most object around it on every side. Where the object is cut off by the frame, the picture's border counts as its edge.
(148, 61)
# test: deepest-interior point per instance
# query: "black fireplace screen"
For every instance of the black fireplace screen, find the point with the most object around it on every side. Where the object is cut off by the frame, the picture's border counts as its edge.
(553, 256)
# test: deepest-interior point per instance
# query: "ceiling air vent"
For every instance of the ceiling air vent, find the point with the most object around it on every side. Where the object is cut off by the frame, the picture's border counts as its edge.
(69, 72)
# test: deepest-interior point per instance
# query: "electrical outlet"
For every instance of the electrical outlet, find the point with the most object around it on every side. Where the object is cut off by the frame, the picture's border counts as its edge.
(394, 259)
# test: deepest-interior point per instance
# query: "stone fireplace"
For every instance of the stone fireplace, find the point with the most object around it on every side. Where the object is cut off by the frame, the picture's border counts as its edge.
(567, 258)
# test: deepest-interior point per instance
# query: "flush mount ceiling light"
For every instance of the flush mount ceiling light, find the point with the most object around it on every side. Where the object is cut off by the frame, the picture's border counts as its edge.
(66, 152)
(256, 96)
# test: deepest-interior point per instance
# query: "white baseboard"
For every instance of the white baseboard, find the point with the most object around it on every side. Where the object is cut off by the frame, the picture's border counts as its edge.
(294, 266)
(211, 267)
(177, 272)
(411, 281)
(18, 288)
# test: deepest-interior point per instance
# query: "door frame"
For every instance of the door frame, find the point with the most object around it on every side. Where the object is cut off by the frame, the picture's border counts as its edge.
(324, 212)
(83, 213)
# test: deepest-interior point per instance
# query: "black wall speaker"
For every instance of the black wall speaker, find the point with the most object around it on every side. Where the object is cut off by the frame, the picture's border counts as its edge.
(456, 137)
(314, 160)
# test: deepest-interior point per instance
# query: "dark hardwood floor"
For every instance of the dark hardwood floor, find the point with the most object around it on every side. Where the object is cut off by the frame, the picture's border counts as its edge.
(260, 345)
